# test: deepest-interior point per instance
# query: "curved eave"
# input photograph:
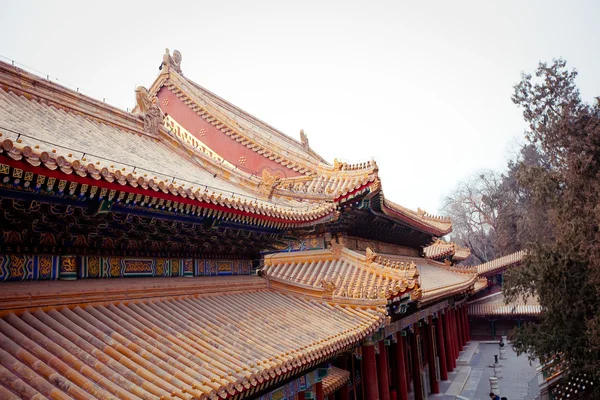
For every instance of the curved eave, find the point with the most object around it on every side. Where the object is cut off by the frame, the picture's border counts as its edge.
(450, 290)
(84, 186)
(416, 222)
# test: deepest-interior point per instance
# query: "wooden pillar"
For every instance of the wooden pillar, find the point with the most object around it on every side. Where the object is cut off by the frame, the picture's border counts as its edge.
(319, 391)
(434, 386)
(344, 392)
(447, 341)
(401, 382)
(463, 323)
(467, 325)
(301, 395)
(369, 381)
(463, 314)
(382, 372)
(458, 329)
(441, 347)
(415, 355)
(453, 334)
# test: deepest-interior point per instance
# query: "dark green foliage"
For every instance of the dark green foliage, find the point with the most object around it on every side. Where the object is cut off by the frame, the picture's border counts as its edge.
(553, 211)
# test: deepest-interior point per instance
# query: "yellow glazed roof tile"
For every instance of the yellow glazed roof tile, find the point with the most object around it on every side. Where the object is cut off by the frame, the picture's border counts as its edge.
(186, 347)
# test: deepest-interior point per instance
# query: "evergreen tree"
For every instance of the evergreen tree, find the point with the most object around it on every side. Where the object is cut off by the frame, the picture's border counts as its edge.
(555, 216)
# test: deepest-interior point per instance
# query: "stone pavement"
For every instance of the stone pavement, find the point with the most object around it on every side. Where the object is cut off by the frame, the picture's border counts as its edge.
(518, 383)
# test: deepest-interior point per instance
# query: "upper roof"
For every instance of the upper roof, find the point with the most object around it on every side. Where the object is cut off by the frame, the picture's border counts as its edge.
(62, 130)
(234, 119)
(48, 125)
(224, 338)
(322, 181)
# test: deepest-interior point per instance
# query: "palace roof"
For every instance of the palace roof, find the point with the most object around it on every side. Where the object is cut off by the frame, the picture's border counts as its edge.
(319, 181)
(438, 280)
(73, 137)
(335, 379)
(340, 273)
(47, 125)
(499, 264)
(202, 345)
(495, 305)
(441, 249)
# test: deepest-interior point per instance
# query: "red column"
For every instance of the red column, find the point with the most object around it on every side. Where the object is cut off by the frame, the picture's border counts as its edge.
(453, 334)
(301, 395)
(369, 382)
(464, 322)
(467, 331)
(439, 330)
(468, 324)
(433, 383)
(456, 333)
(417, 385)
(319, 391)
(401, 383)
(382, 372)
(448, 342)
(459, 329)
(344, 392)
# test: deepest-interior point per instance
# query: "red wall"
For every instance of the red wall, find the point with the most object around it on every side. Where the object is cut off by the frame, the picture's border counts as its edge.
(218, 141)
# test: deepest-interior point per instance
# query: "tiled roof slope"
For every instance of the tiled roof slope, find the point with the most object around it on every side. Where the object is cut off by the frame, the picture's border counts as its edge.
(51, 126)
(439, 226)
(440, 249)
(499, 264)
(438, 280)
(340, 273)
(494, 305)
(335, 379)
(182, 347)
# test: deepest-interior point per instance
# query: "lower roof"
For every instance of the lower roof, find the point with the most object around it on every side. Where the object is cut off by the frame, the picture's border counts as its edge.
(170, 345)
(495, 305)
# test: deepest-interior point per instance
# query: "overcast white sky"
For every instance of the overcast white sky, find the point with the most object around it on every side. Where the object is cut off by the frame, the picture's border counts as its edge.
(422, 87)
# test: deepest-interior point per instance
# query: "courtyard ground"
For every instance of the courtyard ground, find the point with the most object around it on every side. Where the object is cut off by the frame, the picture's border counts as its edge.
(470, 381)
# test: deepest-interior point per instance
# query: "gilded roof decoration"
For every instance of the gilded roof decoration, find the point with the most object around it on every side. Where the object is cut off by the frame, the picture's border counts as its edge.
(148, 108)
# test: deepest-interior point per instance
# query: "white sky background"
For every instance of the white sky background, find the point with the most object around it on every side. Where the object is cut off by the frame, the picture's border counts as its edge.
(422, 87)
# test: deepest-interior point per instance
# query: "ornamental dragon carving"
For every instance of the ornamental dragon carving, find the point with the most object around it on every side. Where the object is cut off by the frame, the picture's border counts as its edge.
(148, 108)
(270, 182)
(370, 255)
(337, 247)
(328, 286)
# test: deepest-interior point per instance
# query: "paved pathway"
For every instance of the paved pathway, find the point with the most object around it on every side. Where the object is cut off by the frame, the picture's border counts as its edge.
(518, 383)
(517, 375)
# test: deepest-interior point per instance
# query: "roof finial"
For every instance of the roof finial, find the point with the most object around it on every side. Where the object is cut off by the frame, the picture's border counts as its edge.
(171, 63)
(148, 108)
(303, 138)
